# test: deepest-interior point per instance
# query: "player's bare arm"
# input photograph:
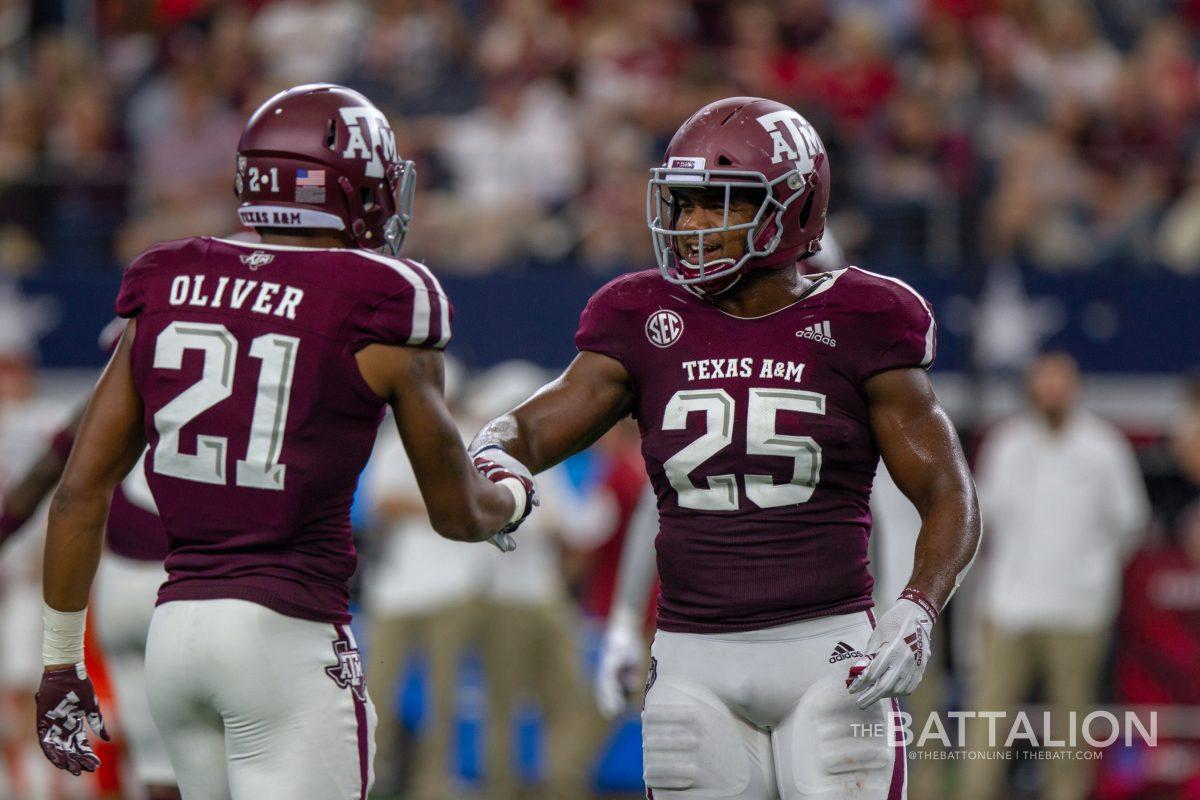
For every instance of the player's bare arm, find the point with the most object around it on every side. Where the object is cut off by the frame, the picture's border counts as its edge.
(108, 444)
(922, 452)
(109, 441)
(462, 503)
(565, 416)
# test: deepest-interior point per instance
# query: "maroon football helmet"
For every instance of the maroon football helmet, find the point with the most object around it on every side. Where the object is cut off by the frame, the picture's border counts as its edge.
(323, 156)
(741, 143)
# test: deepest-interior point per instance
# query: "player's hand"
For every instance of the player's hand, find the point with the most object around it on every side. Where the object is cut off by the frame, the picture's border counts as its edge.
(498, 467)
(64, 700)
(622, 666)
(897, 652)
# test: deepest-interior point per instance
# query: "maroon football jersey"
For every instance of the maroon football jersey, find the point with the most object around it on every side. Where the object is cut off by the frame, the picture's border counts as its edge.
(134, 528)
(257, 419)
(756, 436)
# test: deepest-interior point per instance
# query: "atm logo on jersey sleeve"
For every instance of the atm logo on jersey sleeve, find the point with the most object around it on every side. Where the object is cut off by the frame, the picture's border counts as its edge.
(664, 327)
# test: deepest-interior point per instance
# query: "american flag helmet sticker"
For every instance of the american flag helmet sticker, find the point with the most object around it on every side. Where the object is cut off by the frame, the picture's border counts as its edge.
(310, 186)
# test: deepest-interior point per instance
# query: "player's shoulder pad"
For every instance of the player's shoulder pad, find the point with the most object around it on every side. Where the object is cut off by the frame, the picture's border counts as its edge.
(604, 325)
(162, 255)
(630, 291)
(167, 254)
(404, 301)
(902, 320)
(881, 293)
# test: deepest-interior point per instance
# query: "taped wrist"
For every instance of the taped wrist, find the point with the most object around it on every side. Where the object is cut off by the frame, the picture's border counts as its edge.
(62, 636)
(520, 498)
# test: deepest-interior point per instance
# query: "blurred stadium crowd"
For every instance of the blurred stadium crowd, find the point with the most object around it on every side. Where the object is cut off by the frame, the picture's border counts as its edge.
(1058, 135)
(1061, 134)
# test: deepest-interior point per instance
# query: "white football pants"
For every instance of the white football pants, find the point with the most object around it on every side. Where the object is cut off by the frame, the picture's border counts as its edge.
(765, 715)
(254, 705)
(126, 591)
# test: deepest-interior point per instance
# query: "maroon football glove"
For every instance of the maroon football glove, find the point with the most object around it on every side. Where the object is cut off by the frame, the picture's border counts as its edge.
(496, 470)
(64, 700)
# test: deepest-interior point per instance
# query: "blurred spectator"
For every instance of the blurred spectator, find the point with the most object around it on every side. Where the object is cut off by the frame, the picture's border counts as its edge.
(1038, 209)
(20, 205)
(1159, 629)
(630, 55)
(1067, 58)
(945, 71)
(514, 162)
(419, 596)
(611, 211)
(1179, 235)
(184, 132)
(530, 648)
(416, 59)
(526, 38)
(309, 41)
(27, 421)
(1064, 502)
(83, 141)
(855, 75)
(623, 479)
(14, 27)
(960, 131)
(917, 183)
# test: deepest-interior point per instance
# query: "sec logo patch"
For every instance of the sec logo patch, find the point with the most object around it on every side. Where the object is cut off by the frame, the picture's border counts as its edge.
(664, 327)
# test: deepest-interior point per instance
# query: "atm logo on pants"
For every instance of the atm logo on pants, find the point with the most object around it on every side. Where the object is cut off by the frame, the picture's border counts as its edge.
(348, 672)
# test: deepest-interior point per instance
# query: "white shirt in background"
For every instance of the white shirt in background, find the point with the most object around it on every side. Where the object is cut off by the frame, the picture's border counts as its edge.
(1061, 511)
(417, 570)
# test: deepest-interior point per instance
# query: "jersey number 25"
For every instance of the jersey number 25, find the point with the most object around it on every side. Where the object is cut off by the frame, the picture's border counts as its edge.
(761, 439)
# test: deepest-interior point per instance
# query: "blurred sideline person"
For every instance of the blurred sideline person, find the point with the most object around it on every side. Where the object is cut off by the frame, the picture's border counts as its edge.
(258, 376)
(1159, 628)
(765, 400)
(127, 583)
(421, 596)
(1065, 503)
(26, 424)
(621, 483)
(529, 628)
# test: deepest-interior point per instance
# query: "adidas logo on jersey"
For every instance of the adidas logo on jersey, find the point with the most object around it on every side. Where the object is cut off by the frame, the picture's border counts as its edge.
(818, 332)
(843, 652)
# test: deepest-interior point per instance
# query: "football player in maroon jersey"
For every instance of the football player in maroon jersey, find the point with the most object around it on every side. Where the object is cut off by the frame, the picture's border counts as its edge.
(765, 399)
(258, 375)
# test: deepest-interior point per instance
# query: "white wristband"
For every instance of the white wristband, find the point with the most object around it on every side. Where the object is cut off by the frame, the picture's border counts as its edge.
(520, 497)
(62, 636)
